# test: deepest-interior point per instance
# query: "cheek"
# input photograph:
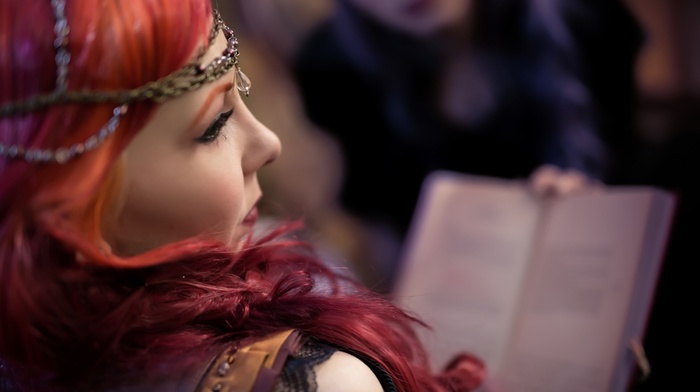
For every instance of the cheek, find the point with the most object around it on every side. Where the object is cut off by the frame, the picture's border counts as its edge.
(216, 196)
(176, 199)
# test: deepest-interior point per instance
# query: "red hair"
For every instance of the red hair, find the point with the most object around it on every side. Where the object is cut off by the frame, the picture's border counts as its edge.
(66, 323)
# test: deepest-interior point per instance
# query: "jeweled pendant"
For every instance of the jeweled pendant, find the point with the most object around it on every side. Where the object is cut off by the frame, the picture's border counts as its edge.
(242, 82)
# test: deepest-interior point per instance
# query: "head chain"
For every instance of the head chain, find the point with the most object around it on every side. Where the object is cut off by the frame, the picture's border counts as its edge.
(187, 78)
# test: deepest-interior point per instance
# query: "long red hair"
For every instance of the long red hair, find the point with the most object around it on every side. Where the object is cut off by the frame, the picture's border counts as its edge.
(71, 323)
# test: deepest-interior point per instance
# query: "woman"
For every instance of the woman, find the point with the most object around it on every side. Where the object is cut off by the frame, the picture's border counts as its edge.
(128, 192)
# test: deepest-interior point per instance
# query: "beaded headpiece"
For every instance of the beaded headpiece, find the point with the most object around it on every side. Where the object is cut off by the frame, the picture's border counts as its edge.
(187, 78)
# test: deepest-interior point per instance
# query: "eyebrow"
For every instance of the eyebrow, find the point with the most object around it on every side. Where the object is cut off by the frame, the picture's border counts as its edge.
(222, 88)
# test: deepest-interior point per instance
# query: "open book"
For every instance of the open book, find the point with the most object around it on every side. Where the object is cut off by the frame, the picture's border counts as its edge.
(548, 292)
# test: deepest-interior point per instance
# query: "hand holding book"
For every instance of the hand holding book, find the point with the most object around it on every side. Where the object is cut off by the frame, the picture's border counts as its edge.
(549, 180)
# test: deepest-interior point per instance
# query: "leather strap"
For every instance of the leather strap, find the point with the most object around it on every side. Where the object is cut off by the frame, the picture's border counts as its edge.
(252, 368)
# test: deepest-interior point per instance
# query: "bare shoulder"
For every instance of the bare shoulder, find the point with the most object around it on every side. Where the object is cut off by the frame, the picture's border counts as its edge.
(343, 372)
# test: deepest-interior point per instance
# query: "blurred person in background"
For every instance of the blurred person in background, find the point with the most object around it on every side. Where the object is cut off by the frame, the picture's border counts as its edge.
(539, 89)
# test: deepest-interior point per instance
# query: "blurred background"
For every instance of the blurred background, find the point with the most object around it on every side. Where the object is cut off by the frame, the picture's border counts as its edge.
(636, 61)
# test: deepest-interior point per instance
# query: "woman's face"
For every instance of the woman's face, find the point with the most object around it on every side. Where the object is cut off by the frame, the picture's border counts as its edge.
(416, 17)
(184, 177)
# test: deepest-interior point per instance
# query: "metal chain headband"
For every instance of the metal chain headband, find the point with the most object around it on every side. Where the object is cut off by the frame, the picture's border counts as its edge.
(187, 78)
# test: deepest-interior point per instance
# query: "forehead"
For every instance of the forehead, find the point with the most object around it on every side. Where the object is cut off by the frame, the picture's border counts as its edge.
(215, 50)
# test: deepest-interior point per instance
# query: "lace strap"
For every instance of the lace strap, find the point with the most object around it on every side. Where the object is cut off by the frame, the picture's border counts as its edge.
(253, 368)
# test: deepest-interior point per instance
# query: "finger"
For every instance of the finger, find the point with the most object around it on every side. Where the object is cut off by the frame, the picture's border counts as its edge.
(574, 181)
(570, 182)
(543, 181)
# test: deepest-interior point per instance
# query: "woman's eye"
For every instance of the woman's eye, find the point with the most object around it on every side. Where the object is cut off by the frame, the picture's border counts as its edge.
(215, 128)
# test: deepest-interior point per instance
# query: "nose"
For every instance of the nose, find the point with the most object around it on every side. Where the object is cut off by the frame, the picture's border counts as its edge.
(262, 147)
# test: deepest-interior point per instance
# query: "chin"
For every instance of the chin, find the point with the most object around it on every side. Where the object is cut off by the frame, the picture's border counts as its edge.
(240, 239)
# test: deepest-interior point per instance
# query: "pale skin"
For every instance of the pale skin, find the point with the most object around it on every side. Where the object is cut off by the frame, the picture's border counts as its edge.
(181, 180)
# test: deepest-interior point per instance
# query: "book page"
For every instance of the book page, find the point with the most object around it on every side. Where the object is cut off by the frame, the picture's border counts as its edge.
(577, 298)
(657, 235)
(464, 265)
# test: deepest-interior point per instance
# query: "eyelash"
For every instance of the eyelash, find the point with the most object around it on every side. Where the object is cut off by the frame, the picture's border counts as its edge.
(214, 130)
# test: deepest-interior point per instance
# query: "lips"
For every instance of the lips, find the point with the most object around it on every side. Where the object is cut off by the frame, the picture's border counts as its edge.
(251, 217)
